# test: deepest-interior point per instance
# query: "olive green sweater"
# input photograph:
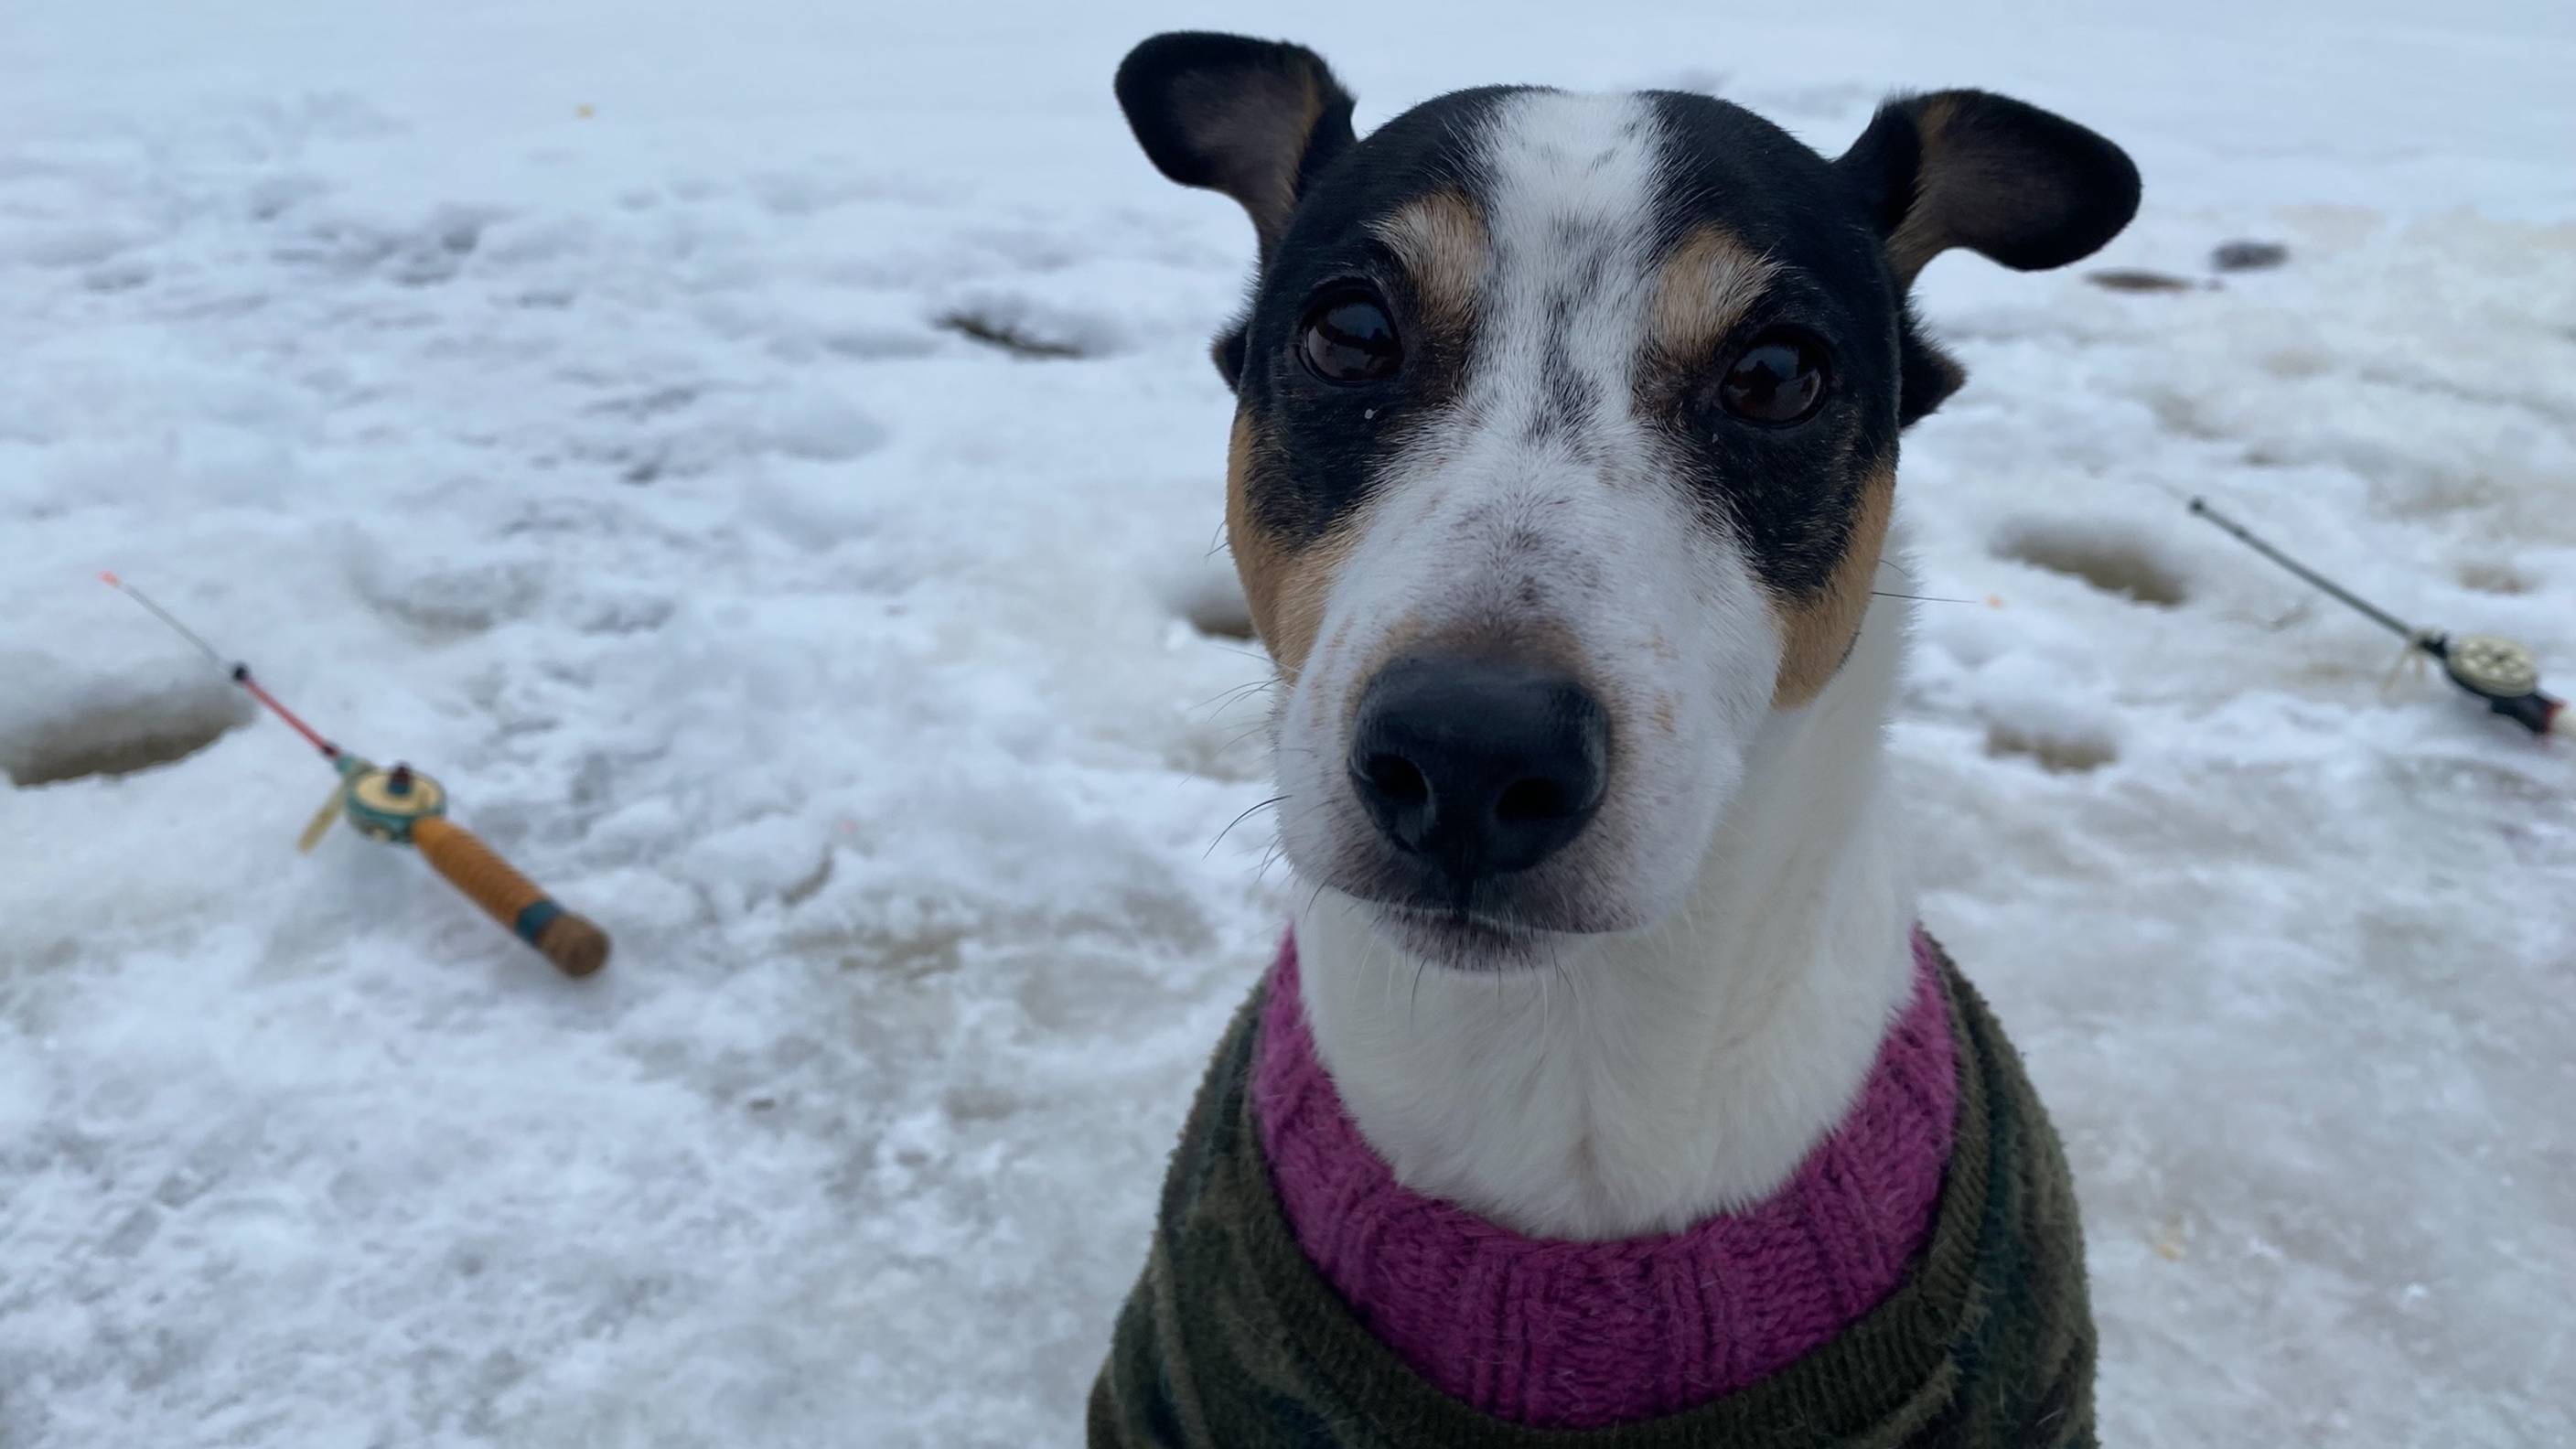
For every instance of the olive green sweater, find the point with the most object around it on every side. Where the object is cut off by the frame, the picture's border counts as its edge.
(1231, 1340)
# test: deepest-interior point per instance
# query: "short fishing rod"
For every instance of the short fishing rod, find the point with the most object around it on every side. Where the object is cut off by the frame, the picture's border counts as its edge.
(2499, 671)
(402, 806)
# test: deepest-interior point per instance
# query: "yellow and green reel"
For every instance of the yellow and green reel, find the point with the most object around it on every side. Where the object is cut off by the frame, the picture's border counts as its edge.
(402, 806)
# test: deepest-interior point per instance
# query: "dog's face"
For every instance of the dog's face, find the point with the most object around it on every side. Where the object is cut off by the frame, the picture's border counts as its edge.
(1565, 451)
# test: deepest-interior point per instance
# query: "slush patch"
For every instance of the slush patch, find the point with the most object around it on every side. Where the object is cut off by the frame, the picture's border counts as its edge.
(2248, 256)
(2134, 279)
(2494, 578)
(2058, 754)
(2107, 562)
(1013, 337)
(116, 728)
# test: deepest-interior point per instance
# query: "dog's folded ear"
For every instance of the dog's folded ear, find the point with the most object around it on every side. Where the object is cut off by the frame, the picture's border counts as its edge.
(1986, 172)
(1253, 119)
(1989, 173)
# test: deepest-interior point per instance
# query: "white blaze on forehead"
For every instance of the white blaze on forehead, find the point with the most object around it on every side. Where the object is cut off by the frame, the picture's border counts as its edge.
(1570, 184)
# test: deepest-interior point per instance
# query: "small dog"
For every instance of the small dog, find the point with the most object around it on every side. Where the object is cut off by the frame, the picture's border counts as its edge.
(1607, 1092)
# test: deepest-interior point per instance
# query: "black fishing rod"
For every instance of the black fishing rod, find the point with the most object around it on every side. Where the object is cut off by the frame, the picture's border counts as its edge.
(2499, 671)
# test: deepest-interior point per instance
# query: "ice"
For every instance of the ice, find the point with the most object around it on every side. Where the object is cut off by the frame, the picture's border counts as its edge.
(575, 401)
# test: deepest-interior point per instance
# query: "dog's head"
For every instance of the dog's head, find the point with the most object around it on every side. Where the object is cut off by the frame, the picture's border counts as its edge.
(1565, 448)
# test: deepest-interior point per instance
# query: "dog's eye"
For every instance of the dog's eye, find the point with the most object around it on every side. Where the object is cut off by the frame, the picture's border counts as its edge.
(1347, 337)
(1779, 379)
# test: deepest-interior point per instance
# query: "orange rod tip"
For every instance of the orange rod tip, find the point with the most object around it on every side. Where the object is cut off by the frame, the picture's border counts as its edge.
(109, 579)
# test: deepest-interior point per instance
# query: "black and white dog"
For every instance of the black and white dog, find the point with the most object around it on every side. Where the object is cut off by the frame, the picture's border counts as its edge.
(1563, 466)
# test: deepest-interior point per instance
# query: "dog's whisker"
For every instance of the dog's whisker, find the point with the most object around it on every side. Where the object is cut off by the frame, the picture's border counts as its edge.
(1223, 698)
(1370, 950)
(1238, 820)
(1920, 598)
(1240, 738)
(1556, 963)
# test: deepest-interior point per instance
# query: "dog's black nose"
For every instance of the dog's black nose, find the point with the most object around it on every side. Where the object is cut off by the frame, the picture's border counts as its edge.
(1479, 766)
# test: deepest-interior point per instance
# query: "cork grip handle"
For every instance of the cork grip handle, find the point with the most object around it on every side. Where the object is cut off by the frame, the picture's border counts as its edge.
(575, 945)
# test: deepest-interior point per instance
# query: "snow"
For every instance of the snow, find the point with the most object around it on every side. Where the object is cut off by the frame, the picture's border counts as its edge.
(568, 398)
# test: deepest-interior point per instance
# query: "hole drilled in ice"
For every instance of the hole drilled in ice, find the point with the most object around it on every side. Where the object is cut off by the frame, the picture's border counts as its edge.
(2058, 754)
(1222, 616)
(2495, 578)
(2248, 256)
(1210, 597)
(2108, 562)
(1015, 338)
(1031, 325)
(2136, 279)
(116, 729)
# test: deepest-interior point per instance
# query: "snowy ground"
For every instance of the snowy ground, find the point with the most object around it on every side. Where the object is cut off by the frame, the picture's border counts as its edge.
(556, 395)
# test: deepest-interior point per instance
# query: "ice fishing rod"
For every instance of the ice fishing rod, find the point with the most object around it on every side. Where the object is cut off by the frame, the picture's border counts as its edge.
(2499, 671)
(402, 806)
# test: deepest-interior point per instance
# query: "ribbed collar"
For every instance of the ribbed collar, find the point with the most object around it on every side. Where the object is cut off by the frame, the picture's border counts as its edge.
(1561, 1334)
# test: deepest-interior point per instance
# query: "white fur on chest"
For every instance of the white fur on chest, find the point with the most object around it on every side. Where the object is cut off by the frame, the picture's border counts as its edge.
(1653, 1078)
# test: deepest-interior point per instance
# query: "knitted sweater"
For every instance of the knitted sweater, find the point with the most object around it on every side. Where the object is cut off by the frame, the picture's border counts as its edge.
(1234, 1340)
(1582, 1334)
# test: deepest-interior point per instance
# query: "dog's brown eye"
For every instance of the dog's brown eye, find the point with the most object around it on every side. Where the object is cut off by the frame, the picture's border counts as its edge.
(1779, 379)
(1349, 338)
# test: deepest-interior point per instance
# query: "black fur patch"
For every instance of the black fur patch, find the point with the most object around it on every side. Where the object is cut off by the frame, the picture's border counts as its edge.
(1789, 494)
(1325, 443)
(1926, 375)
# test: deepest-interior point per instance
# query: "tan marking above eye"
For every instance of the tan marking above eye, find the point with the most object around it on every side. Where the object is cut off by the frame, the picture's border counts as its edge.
(1440, 240)
(1817, 631)
(1706, 286)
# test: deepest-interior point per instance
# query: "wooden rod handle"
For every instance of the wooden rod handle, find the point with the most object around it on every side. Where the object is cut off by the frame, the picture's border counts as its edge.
(572, 943)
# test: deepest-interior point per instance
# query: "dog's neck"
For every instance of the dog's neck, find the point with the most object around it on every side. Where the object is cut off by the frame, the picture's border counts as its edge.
(1660, 1077)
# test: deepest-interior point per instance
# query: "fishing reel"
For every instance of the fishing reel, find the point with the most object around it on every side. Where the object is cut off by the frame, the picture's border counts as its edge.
(402, 806)
(2499, 671)
(381, 804)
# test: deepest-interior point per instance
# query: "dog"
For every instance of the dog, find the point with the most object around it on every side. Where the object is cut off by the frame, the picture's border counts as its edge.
(1607, 1091)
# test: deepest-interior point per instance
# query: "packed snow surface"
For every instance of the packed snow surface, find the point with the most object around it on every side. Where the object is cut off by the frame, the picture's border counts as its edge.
(579, 400)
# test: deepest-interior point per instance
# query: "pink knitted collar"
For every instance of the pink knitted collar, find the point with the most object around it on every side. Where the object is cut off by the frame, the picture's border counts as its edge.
(1584, 1334)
